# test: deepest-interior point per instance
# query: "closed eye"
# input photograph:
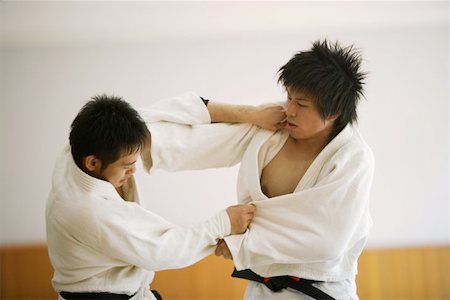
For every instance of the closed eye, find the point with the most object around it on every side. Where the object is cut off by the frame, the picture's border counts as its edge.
(297, 102)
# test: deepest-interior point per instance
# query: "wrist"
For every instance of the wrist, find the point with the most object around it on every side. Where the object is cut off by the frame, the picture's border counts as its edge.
(248, 114)
(231, 113)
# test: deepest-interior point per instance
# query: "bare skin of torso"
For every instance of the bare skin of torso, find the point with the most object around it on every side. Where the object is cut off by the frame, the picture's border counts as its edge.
(283, 173)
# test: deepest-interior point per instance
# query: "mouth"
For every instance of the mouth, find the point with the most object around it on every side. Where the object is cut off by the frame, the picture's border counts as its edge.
(290, 125)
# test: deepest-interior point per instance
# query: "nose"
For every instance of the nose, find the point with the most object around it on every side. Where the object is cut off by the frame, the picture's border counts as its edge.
(290, 109)
(131, 170)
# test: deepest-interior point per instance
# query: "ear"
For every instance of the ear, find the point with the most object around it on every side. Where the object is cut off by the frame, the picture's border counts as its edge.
(333, 118)
(92, 163)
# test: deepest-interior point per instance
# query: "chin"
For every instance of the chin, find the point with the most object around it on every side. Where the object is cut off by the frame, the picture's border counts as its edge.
(118, 184)
(293, 135)
(122, 182)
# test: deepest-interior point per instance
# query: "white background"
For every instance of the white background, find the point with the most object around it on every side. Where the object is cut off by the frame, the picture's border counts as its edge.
(56, 55)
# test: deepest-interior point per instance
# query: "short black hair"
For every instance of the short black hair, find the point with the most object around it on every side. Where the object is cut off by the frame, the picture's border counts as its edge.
(331, 74)
(106, 127)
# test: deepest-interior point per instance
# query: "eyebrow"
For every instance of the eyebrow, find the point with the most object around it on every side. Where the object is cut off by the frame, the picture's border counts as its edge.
(129, 164)
(299, 98)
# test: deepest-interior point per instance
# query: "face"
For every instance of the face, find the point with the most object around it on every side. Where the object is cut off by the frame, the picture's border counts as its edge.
(303, 118)
(117, 173)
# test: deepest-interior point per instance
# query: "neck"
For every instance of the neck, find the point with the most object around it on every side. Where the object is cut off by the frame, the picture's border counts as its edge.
(312, 145)
(120, 192)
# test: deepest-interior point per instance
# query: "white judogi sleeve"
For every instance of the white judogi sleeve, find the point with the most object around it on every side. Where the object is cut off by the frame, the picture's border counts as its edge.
(144, 239)
(187, 108)
(318, 223)
(182, 137)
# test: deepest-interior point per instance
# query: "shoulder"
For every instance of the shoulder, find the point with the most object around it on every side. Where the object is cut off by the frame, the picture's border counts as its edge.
(354, 148)
(92, 217)
(349, 157)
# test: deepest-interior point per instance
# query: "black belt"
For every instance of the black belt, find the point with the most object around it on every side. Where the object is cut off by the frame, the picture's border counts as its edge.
(101, 296)
(277, 283)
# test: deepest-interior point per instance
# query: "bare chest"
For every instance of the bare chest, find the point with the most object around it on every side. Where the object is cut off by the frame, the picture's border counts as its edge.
(283, 173)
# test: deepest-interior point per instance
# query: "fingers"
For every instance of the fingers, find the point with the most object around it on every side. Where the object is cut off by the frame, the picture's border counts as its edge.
(279, 125)
(270, 116)
(251, 207)
(219, 251)
(223, 250)
(250, 214)
(279, 118)
(240, 217)
(246, 208)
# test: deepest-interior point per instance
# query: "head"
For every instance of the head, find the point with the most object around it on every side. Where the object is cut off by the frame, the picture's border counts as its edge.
(328, 80)
(106, 139)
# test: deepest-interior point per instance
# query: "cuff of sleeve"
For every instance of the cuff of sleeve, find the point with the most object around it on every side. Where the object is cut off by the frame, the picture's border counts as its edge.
(225, 224)
(234, 243)
(187, 108)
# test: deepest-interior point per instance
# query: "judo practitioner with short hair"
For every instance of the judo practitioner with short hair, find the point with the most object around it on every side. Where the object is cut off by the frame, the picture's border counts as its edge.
(310, 181)
(101, 242)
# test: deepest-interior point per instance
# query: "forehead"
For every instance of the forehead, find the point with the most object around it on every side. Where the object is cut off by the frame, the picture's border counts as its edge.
(127, 157)
(300, 94)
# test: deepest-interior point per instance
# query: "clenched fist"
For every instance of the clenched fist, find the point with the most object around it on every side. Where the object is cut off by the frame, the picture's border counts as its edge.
(269, 116)
(240, 217)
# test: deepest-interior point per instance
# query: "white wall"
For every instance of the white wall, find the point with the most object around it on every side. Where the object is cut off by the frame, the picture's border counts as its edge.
(55, 56)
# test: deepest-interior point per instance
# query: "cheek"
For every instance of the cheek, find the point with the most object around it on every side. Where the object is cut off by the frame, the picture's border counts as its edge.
(119, 174)
(313, 118)
(304, 119)
(311, 123)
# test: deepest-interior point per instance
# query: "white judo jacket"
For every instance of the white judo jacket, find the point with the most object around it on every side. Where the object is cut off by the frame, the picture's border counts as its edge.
(98, 242)
(317, 232)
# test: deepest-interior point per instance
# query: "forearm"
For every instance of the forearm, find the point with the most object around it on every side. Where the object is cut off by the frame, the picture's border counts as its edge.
(231, 113)
(268, 116)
